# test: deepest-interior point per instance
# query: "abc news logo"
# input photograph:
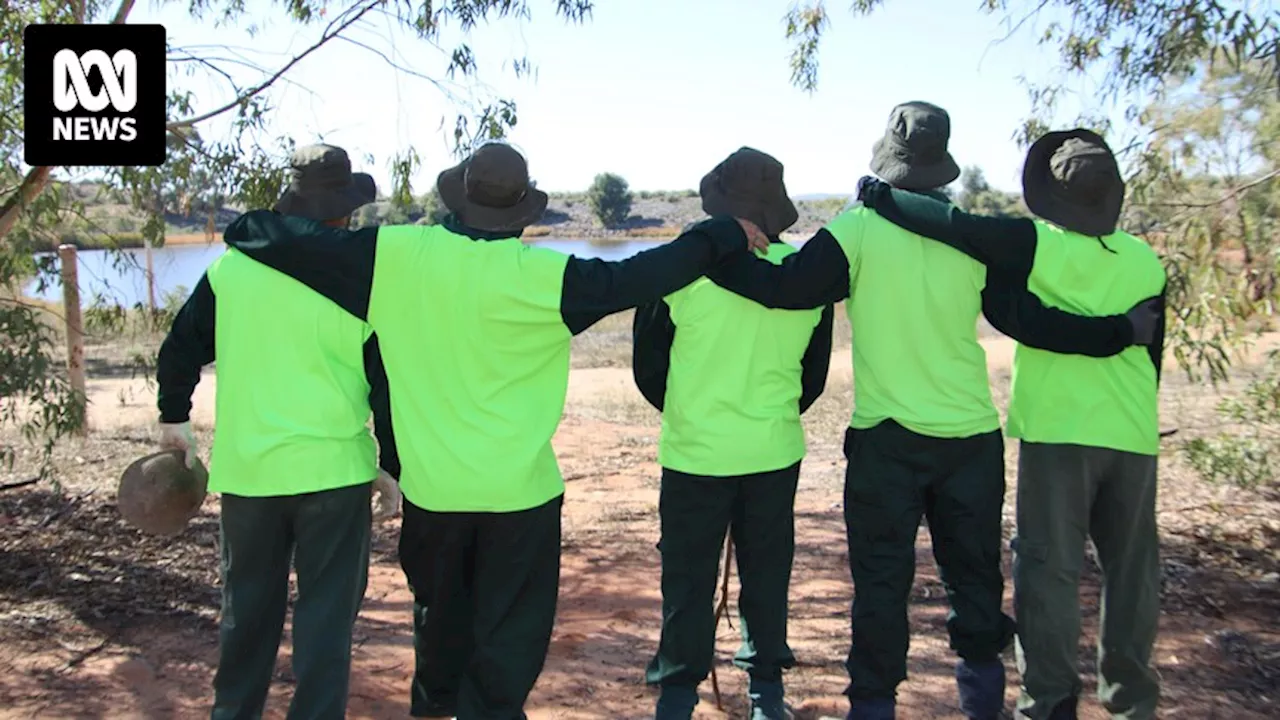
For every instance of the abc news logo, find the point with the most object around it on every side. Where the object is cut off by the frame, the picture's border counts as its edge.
(95, 95)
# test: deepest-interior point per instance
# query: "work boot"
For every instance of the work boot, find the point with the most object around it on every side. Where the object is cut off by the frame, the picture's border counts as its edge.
(981, 686)
(766, 701)
(676, 702)
(1065, 710)
(872, 709)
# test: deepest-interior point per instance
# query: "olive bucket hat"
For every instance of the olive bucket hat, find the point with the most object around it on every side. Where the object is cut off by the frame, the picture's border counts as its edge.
(1071, 179)
(913, 153)
(322, 186)
(748, 184)
(159, 494)
(491, 191)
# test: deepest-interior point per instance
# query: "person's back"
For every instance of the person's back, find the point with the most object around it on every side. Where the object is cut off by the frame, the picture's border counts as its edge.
(1097, 402)
(914, 310)
(293, 396)
(492, 348)
(722, 417)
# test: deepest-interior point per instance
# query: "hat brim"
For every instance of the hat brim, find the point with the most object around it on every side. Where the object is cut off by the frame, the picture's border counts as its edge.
(890, 164)
(773, 215)
(330, 204)
(163, 501)
(1038, 189)
(452, 188)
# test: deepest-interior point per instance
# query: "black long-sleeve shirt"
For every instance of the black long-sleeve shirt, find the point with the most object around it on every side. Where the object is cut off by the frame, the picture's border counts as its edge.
(1007, 246)
(653, 334)
(339, 264)
(818, 274)
(189, 346)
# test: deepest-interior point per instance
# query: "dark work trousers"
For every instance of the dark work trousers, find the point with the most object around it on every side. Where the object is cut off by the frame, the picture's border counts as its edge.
(1068, 494)
(695, 513)
(895, 476)
(327, 536)
(484, 587)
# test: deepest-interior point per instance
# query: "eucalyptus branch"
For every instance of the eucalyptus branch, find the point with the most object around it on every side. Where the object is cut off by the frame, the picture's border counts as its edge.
(333, 30)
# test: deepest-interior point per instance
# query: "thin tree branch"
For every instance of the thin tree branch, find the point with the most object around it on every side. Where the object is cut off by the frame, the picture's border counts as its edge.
(330, 33)
(1214, 203)
(126, 6)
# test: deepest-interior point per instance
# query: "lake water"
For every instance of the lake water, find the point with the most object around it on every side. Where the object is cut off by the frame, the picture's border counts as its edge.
(120, 277)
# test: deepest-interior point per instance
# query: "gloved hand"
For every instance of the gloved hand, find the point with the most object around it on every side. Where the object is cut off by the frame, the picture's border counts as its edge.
(388, 491)
(178, 436)
(1145, 317)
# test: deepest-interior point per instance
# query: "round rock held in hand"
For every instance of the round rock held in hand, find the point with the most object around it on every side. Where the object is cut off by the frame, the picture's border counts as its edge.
(159, 494)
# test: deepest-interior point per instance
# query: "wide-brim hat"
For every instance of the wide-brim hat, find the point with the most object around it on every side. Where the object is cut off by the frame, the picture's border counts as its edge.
(491, 191)
(159, 494)
(1071, 179)
(913, 153)
(748, 184)
(322, 186)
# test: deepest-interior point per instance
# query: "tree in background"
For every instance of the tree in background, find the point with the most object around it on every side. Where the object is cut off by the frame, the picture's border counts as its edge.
(610, 199)
(242, 166)
(977, 196)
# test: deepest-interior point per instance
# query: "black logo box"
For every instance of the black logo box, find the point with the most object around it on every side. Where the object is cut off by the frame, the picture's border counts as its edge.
(149, 45)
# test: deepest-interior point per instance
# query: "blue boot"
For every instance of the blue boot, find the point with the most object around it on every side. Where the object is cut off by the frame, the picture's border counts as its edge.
(766, 701)
(872, 709)
(676, 702)
(981, 687)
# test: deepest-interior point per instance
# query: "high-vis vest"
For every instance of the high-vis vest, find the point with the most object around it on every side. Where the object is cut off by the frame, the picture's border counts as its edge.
(477, 355)
(914, 305)
(733, 389)
(293, 399)
(1072, 399)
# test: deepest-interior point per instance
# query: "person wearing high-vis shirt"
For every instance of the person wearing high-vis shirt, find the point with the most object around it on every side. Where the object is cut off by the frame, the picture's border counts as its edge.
(731, 379)
(924, 437)
(292, 456)
(1088, 426)
(475, 328)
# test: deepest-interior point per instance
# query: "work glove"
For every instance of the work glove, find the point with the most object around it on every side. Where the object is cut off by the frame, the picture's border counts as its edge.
(1145, 318)
(178, 436)
(388, 492)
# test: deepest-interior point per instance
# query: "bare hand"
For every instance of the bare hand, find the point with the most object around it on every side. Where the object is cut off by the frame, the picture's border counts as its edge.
(756, 239)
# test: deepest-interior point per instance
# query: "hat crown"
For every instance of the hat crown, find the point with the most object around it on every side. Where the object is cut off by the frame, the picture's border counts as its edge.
(1083, 170)
(922, 129)
(750, 172)
(319, 166)
(497, 176)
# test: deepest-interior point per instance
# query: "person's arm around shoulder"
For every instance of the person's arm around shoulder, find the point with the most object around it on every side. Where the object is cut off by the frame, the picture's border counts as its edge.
(652, 334)
(816, 360)
(187, 348)
(335, 263)
(1005, 245)
(594, 289)
(815, 275)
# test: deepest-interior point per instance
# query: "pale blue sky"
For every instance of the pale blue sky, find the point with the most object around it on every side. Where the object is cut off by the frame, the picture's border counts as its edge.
(660, 90)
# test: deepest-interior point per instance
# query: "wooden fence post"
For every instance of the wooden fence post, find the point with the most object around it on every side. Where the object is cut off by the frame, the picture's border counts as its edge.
(75, 327)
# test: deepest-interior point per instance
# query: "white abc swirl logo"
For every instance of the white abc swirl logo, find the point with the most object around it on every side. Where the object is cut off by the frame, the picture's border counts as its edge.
(119, 81)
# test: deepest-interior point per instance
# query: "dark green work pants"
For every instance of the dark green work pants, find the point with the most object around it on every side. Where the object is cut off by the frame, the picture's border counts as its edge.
(695, 513)
(1068, 494)
(484, 587)
(895, 476)
(327, 536)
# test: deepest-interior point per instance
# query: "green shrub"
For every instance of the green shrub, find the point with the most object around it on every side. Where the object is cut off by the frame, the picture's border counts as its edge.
(610, 199)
